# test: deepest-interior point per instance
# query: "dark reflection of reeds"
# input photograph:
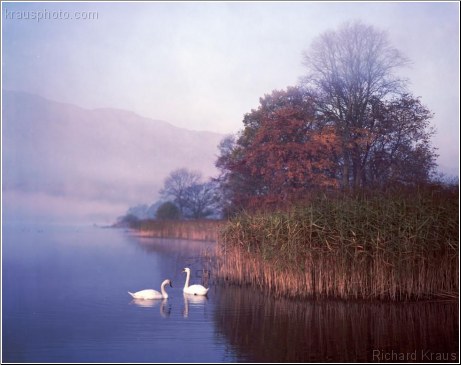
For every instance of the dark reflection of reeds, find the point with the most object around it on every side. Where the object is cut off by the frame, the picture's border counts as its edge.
(174, 246)
(198, 255)
(264, 329)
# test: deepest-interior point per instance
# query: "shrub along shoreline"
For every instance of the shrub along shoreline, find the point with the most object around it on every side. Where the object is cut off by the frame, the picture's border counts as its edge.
(394, 246)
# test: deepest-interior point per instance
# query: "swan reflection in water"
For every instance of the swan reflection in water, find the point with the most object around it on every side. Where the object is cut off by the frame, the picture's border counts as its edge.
(165, 309)
(193, 301)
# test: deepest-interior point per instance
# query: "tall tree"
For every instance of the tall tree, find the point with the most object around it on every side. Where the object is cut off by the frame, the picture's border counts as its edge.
(176, 185)
(193, 198)
(348, 69)
(351, 124)
(398, 148)
(201, 200)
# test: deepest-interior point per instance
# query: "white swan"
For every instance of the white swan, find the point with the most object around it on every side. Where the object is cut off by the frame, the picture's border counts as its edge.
(152, 294)
(193, 289)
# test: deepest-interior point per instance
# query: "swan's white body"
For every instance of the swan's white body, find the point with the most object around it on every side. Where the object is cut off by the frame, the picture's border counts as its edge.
(193, 289)
(148, 294)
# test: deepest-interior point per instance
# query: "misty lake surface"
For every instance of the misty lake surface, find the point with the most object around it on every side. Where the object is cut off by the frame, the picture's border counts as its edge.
(65, 300)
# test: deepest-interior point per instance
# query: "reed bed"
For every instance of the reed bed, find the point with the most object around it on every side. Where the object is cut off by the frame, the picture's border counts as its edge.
(201, 230)
(392, 246)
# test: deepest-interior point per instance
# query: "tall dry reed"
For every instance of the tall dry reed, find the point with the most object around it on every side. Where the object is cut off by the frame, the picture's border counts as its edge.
(393, 246)
(202, 230)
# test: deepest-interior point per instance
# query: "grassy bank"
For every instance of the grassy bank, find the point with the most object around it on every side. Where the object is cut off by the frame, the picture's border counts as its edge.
(393, 246)
(204, 230)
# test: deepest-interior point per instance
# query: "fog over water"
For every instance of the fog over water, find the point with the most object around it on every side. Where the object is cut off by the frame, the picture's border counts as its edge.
(66, 163)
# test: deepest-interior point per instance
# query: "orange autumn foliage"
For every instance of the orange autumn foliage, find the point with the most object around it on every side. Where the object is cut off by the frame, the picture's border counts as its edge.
(283, 152)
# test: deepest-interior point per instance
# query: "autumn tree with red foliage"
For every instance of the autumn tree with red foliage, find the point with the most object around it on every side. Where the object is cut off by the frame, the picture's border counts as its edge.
(281, 153)
(352, 126)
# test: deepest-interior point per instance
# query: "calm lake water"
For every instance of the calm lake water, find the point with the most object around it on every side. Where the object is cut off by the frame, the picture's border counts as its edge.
(65, 300)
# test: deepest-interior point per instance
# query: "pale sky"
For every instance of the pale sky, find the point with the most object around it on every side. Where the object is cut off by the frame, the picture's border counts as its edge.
(203, 65)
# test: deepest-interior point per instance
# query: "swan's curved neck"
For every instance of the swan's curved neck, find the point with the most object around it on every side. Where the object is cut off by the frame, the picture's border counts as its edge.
(186, 285)
(162, 288)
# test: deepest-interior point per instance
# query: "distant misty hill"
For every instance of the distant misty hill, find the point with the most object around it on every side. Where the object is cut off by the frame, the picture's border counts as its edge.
(62, 160)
